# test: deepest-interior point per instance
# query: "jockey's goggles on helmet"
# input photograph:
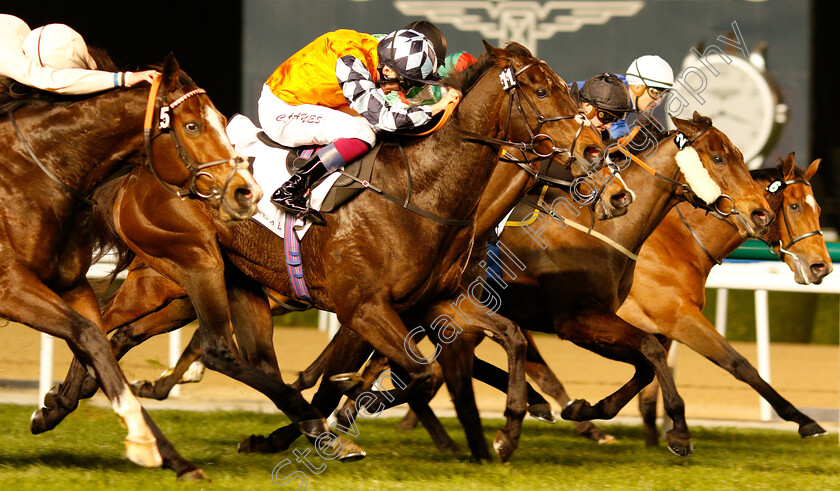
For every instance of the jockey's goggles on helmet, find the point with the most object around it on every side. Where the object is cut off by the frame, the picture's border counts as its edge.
(654, 92)
(608, 117)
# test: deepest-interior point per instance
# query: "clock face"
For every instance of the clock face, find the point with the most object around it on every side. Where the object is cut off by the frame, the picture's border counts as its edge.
(738, 100)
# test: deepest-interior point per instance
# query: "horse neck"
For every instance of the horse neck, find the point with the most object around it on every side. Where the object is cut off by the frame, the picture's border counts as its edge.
(508, 184)
(112, 129)
(452, 172)
(653, 199)
(718, 236)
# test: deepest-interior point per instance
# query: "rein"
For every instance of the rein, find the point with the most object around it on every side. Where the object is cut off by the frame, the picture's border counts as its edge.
(44, 168)
(164, 117)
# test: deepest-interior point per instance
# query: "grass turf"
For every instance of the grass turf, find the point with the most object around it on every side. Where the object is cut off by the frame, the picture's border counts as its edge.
(85, 452)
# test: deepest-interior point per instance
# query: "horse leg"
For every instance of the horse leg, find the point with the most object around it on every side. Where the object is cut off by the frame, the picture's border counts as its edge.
(647, 406)
(608, 335)
(537, 368)
(79, 384)
(374, 368)
(143, 292)
(497, 378)
(696, 332)
(160, 388)
(33, 304)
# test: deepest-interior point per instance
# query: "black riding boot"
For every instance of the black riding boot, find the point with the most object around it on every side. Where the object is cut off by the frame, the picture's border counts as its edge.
(291, 196)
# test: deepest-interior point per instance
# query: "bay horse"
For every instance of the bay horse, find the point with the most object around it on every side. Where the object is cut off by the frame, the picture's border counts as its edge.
(572, 283)
(691, 245)
(56, 151)
(367, 240)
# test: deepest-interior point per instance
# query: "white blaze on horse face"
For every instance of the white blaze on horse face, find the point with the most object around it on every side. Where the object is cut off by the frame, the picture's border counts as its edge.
(811, 202)
(697, 177)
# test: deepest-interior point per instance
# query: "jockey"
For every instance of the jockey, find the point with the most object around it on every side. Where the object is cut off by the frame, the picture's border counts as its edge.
(604, 100)
(55, 58)
(333, 92)
(647, 79)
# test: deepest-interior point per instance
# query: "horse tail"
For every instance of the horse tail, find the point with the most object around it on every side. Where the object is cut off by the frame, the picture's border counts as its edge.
(105, 236)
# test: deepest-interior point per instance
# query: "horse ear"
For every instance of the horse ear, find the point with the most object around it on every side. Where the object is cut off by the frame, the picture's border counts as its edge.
(171, 72)
(811, 170)
(490, 49)
(789, 167)
(683, 125)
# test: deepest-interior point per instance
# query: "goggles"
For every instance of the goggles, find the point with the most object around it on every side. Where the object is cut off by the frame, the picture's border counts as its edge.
(654, 92)
(607, 117)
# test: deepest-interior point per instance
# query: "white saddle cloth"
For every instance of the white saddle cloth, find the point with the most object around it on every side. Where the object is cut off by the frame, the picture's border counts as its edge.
(270, 173)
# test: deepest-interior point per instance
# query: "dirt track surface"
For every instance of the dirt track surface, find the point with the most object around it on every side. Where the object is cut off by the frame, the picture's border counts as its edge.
(806, 375)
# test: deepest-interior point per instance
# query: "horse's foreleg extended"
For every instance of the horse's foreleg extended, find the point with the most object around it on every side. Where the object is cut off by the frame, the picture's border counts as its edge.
(608, 335)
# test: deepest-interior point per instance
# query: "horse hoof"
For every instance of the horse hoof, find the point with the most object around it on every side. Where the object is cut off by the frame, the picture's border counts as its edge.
(681, 447)
(811, 430)
(37, 422)
(144, 454)
(347, 382)
(350, 451)
(194, 475)
(574, 411)
(254, 444)
(50, 398)
(503, 446)
(542, 412)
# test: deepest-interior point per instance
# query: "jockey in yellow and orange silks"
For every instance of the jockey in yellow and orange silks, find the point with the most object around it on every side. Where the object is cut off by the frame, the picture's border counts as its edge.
(333, 93)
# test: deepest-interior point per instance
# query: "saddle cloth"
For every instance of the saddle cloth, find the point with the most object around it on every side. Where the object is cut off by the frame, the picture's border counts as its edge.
(270, 173)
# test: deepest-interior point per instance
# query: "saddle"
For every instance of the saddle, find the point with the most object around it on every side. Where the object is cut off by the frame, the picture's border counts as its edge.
(346, 187)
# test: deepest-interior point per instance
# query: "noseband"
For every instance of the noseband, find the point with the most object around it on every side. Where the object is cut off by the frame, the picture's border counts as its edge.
(164, 126)
(773, 188)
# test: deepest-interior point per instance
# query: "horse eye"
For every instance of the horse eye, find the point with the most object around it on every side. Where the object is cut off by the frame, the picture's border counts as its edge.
(719, 159)
(542, 93)
(192, 127)
(795, 207)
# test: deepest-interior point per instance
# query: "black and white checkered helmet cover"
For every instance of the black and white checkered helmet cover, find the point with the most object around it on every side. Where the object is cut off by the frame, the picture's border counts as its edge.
(410, 54)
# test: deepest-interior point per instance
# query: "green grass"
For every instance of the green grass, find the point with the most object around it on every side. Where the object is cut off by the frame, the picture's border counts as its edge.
(85, 452)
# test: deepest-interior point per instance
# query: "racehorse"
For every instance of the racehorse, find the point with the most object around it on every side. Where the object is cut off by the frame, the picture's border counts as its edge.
(369, 238)
(691, 245)
(56, 150)
(572, 283)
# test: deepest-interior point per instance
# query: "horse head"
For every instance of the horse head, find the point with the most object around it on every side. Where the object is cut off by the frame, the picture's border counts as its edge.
(792, 199)
(184, 129)
(716, 177)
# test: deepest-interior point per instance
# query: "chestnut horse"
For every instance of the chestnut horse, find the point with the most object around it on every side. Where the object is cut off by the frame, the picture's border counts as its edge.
(56, 150)
(368, 239)
(687, 245)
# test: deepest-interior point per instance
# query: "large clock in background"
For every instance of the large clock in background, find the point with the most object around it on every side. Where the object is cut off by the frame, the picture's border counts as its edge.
(741, 100)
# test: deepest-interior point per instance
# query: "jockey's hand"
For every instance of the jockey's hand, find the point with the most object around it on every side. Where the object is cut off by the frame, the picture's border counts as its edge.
(452, 95)
(134, 78)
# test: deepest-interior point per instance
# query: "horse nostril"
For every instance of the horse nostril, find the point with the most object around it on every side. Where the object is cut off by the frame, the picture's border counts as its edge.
(762, 217)
(619, 199)
(243, 195)
(818, 268)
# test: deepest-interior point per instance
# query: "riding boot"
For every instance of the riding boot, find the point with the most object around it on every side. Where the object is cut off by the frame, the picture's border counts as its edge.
(291, 196)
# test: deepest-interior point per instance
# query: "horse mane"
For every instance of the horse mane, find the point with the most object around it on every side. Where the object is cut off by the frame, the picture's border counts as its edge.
(466, 78)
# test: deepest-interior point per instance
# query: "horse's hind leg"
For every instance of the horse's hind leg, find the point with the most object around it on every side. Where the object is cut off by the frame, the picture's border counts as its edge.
(544, 377)
(696, 332)
(610, 336)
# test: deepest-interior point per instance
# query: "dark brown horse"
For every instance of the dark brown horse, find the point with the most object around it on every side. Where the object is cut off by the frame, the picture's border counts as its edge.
(373, 260)
(56, 150)
(687, 245)
(572, 282)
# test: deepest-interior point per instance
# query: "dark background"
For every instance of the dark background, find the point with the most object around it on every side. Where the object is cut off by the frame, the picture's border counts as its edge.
(207, 39)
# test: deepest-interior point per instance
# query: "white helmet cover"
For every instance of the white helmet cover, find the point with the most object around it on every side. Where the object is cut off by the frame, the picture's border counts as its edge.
(650, 70)
(58, 46)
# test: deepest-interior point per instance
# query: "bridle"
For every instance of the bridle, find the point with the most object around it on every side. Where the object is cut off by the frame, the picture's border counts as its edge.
(165, 115)
(509, 81)
(773, 188)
